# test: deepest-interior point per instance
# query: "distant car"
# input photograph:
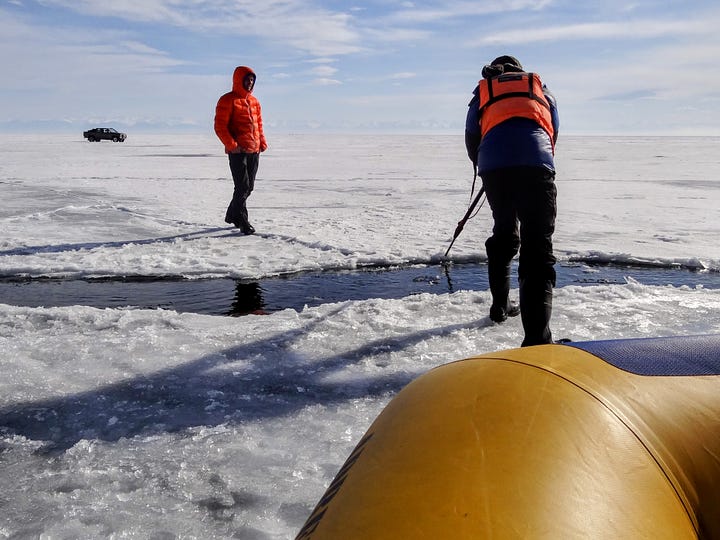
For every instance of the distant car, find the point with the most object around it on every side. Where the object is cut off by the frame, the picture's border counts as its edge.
(108, 134)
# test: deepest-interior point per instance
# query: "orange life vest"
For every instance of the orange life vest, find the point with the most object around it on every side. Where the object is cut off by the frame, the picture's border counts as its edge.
(514, 95)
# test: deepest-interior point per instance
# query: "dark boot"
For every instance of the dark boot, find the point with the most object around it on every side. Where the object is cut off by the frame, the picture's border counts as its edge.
(499, 279)
(246, 228)
(230, 214)
(536, 309)
(244, 223)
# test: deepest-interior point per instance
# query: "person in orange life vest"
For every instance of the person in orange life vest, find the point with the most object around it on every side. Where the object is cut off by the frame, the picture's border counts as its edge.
(239, 126)
(510, 133)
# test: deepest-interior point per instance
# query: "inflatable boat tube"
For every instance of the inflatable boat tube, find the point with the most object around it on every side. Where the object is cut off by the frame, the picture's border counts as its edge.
(606, 439)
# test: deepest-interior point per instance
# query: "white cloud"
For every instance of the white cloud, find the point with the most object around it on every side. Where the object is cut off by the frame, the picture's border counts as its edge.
(61, 72)
(397, 35)
(134, 10)
(321, 60)
(141, 48)
(323, 81)
(640, 29)
(403, 75)
(311, 29)
(459, 9)
(324, 71)
(668, 72)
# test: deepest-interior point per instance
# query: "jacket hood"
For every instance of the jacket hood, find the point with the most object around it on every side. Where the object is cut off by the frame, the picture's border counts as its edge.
(238, 77)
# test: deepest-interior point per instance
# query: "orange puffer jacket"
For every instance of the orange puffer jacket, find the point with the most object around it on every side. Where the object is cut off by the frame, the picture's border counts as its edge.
(238, 118)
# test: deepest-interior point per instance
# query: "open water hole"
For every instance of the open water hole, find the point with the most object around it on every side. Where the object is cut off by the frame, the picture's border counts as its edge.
(238, 297)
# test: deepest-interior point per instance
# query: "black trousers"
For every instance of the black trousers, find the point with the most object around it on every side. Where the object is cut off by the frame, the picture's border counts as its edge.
(244, 169)
(524, 207)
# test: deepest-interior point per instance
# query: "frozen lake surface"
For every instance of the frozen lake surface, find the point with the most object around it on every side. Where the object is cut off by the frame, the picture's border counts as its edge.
(184, 423)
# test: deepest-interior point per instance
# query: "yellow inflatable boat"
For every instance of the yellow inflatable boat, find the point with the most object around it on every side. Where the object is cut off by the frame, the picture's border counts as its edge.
(604, 440)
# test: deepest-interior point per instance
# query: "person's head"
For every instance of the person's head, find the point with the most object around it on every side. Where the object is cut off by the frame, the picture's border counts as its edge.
(243, 80)
(506, 60)
(502, 64)
(249, 82)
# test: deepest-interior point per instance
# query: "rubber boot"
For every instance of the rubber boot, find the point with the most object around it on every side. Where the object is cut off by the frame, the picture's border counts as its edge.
(499, 279)
(536, 310)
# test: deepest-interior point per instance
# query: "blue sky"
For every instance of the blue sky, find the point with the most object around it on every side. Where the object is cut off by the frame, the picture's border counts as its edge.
(616, 67)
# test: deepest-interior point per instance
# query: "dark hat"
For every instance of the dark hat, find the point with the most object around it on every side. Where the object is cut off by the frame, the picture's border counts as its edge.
(505, 59)
(502, 64)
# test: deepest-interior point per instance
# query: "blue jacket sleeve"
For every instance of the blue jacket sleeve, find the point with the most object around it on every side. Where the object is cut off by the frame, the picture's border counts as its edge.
(553, 111)
(472, 128)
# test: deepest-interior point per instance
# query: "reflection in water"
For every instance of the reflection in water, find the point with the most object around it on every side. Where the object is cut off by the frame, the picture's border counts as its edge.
(446, 270)
(248, 300)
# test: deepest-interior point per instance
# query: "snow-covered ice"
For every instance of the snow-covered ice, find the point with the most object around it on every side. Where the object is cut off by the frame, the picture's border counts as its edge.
(156, 424)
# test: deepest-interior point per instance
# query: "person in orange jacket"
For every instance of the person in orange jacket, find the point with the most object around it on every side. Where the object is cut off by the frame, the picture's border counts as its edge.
(239, 126)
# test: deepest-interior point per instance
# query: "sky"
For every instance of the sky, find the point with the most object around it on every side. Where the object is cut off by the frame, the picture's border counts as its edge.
(615, 67)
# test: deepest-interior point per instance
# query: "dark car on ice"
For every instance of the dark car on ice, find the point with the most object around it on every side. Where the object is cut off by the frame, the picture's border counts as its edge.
(109, 134)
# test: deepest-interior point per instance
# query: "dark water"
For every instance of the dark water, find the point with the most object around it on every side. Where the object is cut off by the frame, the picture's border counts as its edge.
(234, 298)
